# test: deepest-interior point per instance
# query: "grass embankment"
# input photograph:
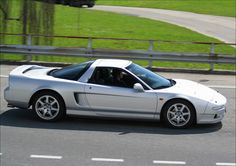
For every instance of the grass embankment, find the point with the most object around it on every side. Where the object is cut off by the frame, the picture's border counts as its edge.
(212, 7)
(83, 22)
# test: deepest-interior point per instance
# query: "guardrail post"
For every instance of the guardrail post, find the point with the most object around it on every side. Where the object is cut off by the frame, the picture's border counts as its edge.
(212, 53)
(151, 46)
(29, 43)
(90, 44)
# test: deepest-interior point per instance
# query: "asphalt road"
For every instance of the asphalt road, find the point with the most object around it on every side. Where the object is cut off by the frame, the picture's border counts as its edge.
(78, 141)
(219, 27)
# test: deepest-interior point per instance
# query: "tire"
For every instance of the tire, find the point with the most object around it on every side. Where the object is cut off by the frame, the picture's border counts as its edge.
(90, 5)
(48, 106)
(179, 114)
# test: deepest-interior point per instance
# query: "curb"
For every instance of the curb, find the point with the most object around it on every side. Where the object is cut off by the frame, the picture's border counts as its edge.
(156, 69)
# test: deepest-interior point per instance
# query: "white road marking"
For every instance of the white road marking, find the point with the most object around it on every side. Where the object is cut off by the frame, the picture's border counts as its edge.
(226, 164)
(107, 159)
(4, 76)
(222, 86)
(169, 162)
(122, 160)
(45, 157)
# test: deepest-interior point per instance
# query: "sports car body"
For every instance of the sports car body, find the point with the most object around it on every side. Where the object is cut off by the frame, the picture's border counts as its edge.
(112, 88)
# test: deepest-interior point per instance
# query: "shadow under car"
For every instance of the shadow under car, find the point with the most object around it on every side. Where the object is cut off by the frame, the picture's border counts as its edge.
(25, 119)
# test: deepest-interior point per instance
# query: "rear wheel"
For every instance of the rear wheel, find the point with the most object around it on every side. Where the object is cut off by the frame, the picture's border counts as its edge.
(90, 5)
(48, 106)
(179, 114)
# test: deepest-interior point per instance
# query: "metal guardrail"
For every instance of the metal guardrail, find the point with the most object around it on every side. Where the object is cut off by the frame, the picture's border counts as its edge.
(150, 55)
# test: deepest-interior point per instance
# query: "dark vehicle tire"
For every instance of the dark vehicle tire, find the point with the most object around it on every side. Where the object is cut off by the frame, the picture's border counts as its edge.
(48, 106)
(179, 114)
(90, 5)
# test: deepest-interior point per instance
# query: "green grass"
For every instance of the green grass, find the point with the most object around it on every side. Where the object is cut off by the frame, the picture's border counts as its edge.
(83, 22)
(212, 7)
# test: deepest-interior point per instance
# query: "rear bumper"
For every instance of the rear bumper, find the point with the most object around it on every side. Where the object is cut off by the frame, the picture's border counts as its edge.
(7, 94)
(12, 103)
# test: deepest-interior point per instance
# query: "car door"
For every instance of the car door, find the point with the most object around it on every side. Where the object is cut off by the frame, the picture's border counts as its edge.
(110, 99)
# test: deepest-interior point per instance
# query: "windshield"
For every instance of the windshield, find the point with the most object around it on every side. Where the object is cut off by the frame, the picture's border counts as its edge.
(152, 79)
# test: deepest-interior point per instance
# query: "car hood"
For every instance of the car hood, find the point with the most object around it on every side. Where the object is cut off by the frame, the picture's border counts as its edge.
(191, 89)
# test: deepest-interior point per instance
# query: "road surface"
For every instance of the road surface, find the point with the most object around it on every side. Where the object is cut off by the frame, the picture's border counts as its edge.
(78, 141)
(219, 27)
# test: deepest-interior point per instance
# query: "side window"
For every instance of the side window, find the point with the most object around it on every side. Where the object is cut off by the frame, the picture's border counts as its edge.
(73, 72)
(123, 79)
(101, 76)
(113, 77)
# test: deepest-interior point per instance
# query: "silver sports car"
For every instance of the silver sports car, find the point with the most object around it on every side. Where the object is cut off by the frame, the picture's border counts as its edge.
(112, 88)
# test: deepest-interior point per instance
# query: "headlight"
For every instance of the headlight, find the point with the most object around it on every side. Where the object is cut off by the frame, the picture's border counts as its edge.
(218, 107)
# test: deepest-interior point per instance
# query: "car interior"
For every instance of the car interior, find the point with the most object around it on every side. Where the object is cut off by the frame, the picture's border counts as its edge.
(113, 77)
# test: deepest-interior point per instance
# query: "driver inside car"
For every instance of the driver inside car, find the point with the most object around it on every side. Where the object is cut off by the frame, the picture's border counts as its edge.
(118, 78)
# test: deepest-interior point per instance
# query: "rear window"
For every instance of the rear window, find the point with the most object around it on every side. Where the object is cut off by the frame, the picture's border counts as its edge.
(73, 72)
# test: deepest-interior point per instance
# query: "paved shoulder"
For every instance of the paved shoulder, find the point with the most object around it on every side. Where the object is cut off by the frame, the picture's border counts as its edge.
(222, 28)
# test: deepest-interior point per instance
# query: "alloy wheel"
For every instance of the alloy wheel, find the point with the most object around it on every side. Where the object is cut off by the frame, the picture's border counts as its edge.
(178, 114)
(47, 107)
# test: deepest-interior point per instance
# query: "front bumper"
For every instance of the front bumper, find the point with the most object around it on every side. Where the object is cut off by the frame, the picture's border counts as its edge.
(213, 116)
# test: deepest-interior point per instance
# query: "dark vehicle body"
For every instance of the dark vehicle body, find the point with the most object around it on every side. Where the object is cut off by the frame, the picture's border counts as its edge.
(76, 3)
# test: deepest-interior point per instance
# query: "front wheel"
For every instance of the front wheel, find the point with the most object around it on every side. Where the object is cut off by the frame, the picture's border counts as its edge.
(48, 106)
(179, 114)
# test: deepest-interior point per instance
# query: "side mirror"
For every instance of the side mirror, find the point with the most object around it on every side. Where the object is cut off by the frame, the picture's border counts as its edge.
(138, 87)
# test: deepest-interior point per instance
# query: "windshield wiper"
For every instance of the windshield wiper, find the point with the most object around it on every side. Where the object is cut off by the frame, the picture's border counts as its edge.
(172, 83)
(162, 87)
